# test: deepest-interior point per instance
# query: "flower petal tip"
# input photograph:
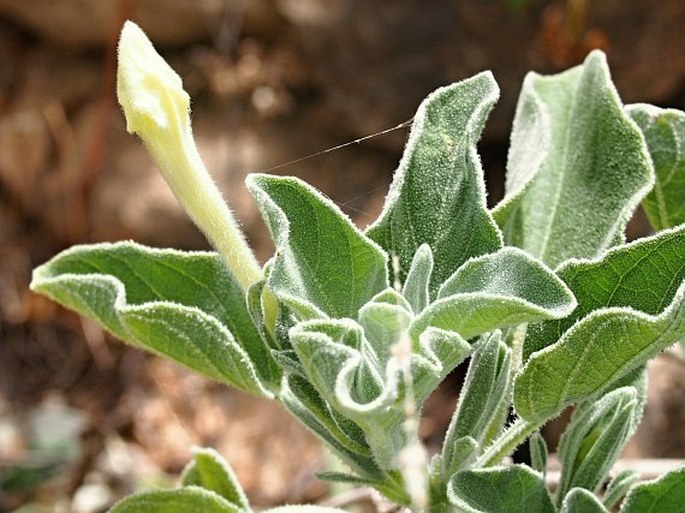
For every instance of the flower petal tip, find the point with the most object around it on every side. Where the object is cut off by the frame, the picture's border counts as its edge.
(149, 91)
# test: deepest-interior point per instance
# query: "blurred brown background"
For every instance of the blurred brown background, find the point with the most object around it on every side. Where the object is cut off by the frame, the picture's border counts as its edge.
(84, 419)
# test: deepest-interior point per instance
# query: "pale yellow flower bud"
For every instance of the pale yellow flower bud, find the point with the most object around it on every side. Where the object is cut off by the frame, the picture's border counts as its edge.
(158, 110)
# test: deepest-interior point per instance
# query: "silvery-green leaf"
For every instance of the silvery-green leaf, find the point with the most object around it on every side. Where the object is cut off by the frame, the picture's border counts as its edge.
(618, 487)
(345, 370)
(338, 358)
(578, 166)
(664, 130)
(347, 434)
(190, 499)
(185, 306)
(642, 275)
(255, 308)
(495, 291)
(289, 362)
(637, 380)
(324, 266)
(437, 353)
(580, 500)
(463, 453)
(286, 319)
(437, 196)
(343, 477)
(538, 452)
(348, 443)
(609, 342)
(667, 494)
(392, 488)
(532, 122)
(303, 508)
(594, 439)
(457, 455)
(344, 437)
(481, 395)
(363, 381)
(598, 350)
(416, 285)
(514, 489)
(384, 319)
(210, 471)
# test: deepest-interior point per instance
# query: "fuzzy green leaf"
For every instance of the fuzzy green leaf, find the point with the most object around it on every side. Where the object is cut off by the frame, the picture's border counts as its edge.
(437, 196)
(191, 499)
(578, 166)
(304, 508)
(185, 306)
(495, 291)
(538, 453)
(255, 307)
(618, 487)
(360, 378)
(580, 500)
(462, 454)
(324, 266)
(417, 284)
(597, 351)
(325, 347)
(346, 433)
(343, 477)
(515, 489)
(392, 487)
(667, 494)
(341, 434)
(664, 130)
(210, 471)
(595, 438)
(384, 319)
(457, 455)
(482, 394)
(642, 275)
(345, 437)
(344, 369)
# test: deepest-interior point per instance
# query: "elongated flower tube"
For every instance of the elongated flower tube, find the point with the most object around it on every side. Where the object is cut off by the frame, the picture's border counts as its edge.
(158, 110)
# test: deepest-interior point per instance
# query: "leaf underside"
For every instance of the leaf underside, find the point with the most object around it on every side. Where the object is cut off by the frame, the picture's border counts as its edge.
(664, 131)
(185, 306)
(578, 166)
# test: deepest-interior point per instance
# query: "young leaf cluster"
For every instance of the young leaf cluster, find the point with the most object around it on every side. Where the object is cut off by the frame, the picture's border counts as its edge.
(352, 330)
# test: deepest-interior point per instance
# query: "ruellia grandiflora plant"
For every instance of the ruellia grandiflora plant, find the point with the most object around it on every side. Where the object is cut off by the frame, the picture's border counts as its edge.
(351, 330)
